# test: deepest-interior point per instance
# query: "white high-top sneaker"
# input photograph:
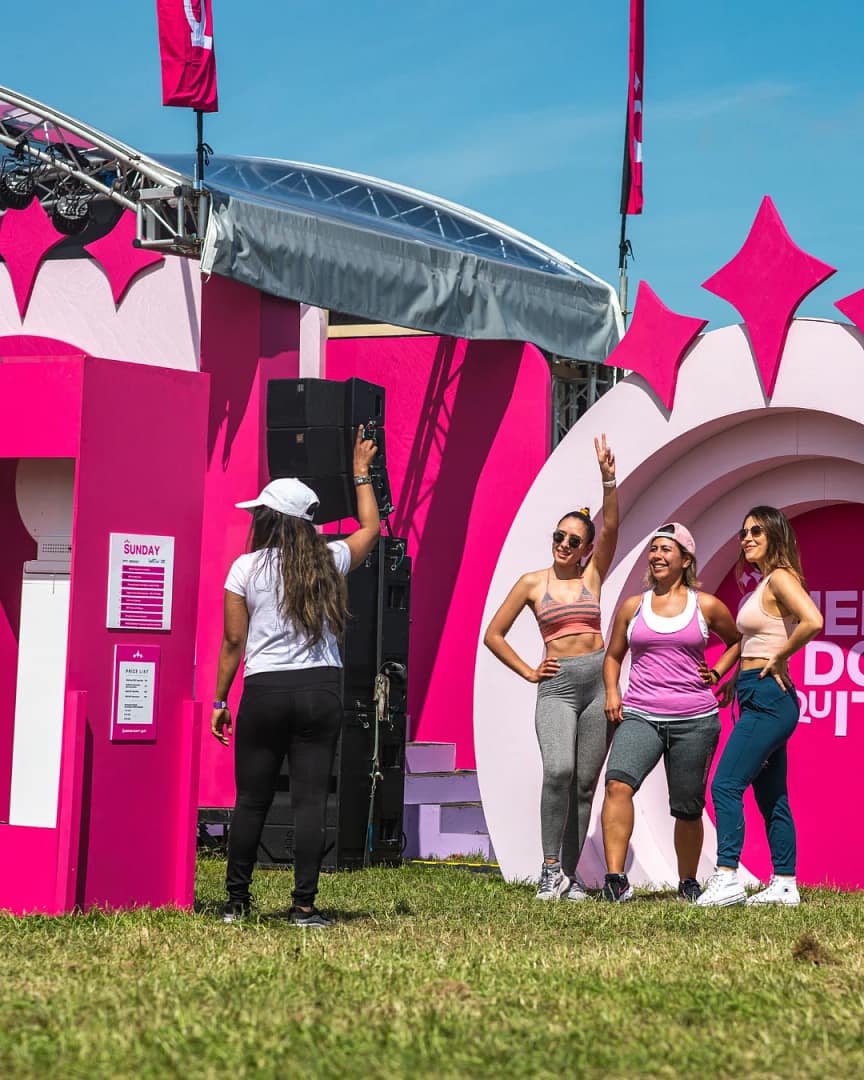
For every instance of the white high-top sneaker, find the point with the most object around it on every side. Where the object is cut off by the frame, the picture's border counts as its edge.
(723, 890)
(780, 890)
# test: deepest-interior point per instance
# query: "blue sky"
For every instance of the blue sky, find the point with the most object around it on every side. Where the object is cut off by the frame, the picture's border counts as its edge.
(516, 110)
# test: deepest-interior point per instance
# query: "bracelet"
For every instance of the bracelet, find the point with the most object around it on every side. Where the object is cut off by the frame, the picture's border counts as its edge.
(358, 480)
(716, 674)
(220, 704)
(610, 483)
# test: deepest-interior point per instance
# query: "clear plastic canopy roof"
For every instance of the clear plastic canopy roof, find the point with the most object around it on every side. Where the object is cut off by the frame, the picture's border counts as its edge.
(386, 207)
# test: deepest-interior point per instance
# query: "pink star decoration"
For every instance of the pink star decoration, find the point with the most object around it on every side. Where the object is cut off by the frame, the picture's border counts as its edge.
(655, 343)
(118, 258)
(765, 282)
(26, 236)
(853, 308)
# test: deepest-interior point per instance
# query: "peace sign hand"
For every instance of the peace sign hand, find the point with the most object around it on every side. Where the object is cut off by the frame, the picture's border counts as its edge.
(605, 458)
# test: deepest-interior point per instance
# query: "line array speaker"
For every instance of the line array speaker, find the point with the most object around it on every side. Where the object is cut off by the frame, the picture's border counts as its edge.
(311, 427)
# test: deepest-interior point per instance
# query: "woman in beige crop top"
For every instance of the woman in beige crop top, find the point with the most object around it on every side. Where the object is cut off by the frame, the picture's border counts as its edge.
(569, 719)
(776, 620)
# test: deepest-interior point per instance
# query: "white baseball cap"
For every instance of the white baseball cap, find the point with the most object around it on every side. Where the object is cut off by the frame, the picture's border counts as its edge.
(289, 496)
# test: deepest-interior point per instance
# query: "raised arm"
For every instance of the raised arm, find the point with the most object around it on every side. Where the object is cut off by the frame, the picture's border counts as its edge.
(607, 541)
(361, 542)
(499, 627)
(616, 650)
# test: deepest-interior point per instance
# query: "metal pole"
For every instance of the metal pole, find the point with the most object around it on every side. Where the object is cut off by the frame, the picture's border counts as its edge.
(199, 160)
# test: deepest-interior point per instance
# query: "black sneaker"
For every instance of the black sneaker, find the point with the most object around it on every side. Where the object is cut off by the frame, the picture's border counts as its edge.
(236, 910)
(312, 918)
(690, 890)
(617, 888)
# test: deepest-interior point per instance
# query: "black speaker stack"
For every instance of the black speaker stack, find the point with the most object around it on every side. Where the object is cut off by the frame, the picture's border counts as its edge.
(311, 425)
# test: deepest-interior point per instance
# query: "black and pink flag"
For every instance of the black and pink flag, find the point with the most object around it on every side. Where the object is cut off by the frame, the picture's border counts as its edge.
(188, 59)
(631, 192)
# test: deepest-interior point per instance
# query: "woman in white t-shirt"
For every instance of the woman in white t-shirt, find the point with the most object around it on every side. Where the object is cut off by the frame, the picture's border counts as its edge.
(285, 608)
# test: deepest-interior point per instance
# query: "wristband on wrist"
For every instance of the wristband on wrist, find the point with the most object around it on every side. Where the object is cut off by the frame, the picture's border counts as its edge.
(358, 480)
(716, 674)
(220, 704)
(610, 483)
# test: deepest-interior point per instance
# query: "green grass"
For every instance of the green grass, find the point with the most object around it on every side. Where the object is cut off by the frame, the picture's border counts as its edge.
(436, 972)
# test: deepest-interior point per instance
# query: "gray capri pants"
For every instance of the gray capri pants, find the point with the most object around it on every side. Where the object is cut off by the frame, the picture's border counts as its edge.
(687, 748)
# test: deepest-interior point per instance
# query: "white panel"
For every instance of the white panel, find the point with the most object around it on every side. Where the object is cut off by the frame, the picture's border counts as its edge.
(39, 701)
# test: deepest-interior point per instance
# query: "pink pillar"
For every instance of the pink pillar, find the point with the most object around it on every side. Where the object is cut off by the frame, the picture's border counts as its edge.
(246, 339)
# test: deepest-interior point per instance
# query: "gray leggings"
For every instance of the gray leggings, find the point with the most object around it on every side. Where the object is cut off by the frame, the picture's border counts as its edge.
(574, 736)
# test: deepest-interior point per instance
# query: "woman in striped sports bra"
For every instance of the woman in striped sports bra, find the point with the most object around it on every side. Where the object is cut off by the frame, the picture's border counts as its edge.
(776, 620)
(571, 727)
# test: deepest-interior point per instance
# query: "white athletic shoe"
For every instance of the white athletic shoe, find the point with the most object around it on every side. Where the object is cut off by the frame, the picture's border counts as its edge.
(780, 890)
(553, 883)
(723, 890)
(577, 890)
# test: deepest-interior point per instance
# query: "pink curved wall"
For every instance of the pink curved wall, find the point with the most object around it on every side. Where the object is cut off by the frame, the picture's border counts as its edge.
(468, 429)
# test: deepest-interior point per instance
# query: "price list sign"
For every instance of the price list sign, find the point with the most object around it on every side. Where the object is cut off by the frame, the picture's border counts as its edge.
(136, 687)
(140, 582)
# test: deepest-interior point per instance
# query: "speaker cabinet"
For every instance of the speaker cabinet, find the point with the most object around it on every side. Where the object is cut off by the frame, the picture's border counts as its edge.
(311, 428)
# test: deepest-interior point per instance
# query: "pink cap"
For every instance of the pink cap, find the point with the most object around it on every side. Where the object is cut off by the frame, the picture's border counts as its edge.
(677, 532)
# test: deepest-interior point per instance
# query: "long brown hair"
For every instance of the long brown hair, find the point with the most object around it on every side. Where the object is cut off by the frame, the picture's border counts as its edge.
(312, 592)
(782, 552)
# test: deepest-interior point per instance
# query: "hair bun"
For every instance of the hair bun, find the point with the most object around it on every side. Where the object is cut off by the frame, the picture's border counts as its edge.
(586, 510)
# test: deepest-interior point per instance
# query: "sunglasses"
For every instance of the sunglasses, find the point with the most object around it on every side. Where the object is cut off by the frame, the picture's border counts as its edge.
(559, 537)
(755, 531)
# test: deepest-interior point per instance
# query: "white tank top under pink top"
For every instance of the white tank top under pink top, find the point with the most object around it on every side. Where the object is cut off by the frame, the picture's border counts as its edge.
(762, 634)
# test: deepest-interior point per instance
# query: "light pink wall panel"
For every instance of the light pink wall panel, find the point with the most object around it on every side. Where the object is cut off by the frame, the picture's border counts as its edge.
(157, 321)
(467, 431)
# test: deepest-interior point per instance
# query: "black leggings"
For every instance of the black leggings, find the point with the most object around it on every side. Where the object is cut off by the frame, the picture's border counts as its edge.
(298, 713)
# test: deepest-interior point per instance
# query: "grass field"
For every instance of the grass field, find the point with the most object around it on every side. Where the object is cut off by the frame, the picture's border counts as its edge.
(436, 972)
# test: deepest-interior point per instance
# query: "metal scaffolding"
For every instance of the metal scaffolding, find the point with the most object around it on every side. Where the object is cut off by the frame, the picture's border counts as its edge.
(576, 385)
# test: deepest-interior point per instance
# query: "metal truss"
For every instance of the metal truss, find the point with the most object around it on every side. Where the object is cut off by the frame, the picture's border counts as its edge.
(575, 388)
(63, 155)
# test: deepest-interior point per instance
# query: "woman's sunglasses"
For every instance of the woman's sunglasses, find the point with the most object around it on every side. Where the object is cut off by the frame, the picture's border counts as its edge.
(558, 537)
(755, 531)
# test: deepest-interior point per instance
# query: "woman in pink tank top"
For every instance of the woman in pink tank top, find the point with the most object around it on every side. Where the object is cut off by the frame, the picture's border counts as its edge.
(667, 710)
(776, 620)
(572, 730)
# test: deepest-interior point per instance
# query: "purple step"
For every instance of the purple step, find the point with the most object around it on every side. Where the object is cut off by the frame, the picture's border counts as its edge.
(466, 817)
(424, 839)
(430, 757)
(442, 787)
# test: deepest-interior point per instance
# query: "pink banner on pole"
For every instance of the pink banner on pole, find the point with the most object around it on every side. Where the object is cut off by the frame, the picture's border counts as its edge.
(188, 58)
(635, 197)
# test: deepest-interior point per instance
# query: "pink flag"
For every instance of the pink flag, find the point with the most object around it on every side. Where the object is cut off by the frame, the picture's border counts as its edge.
(633, 157)
(188, 59)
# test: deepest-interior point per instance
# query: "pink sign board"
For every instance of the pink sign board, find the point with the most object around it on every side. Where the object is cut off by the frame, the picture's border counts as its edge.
(829, 678)
(140, 580)
(136, 690)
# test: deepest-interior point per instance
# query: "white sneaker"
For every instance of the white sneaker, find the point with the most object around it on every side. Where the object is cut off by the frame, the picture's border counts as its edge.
(723, 890)
(780, 890)
(577, 890)
(553, 883)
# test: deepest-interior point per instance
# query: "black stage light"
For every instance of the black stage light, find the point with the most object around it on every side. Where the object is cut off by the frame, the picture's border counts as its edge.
(17, 188)
(71, 213)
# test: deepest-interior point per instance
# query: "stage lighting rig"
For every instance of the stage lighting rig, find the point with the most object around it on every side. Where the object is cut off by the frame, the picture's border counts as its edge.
(18, 173)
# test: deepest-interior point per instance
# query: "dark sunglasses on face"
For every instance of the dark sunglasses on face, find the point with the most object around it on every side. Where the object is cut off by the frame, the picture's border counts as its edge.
(755, 531)
(559, 537)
